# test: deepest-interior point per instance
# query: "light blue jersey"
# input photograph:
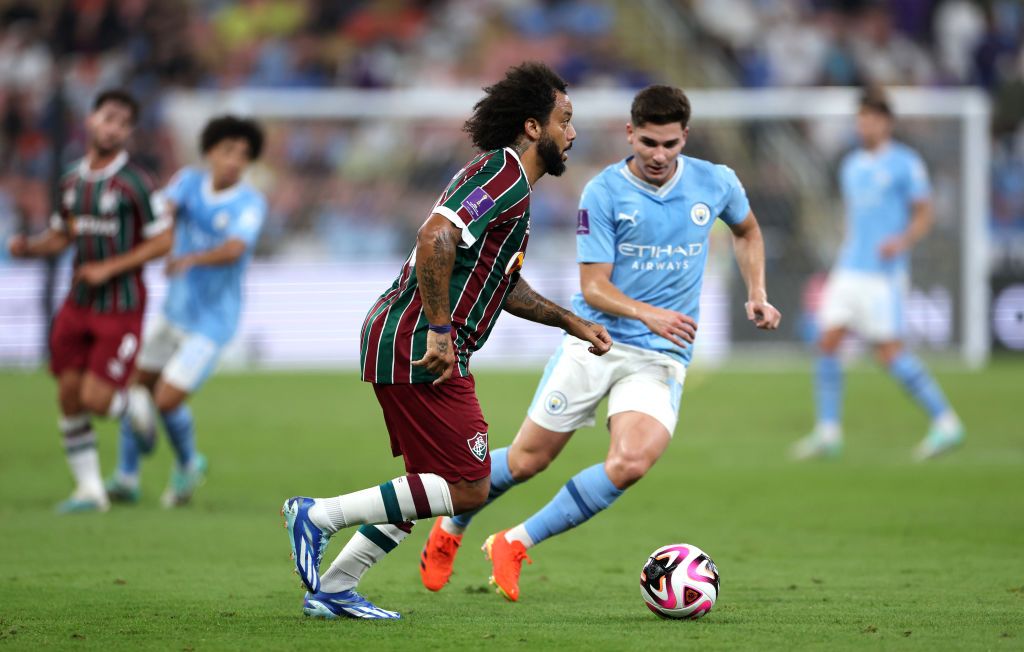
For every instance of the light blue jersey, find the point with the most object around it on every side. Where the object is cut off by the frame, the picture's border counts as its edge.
(879, 190)
(208, 299)
(656, 238)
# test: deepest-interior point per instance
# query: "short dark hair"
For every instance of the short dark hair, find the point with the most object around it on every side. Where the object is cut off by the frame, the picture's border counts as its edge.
(660, 105)
(228, 126)
(120, 96)
(874, 98)
(527, 91)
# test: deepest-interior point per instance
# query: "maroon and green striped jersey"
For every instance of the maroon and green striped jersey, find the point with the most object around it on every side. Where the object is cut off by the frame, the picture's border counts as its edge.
(489, 200)
(108, 212)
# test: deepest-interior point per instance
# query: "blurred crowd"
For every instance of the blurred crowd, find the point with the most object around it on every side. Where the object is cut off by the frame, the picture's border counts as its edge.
(332, 194)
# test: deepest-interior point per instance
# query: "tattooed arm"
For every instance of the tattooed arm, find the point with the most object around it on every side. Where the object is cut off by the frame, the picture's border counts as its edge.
(435, 257)
(524, 302)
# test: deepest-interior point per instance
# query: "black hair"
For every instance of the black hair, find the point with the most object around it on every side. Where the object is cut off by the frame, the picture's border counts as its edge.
(527, 91)
(120, 96)
(660, 105)
(873, 98)
(228, 126)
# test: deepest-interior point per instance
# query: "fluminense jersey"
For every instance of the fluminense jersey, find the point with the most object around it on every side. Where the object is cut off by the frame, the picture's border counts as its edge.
(109, 212)
(489, 200)
(879, 190)
(207, 299)
(656, 238)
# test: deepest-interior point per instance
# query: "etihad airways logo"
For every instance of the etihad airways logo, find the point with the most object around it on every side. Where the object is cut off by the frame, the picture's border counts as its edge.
(660, 251)
(92, 225)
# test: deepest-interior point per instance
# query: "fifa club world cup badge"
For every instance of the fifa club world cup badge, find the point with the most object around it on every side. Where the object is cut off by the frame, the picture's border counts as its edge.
(478, 445)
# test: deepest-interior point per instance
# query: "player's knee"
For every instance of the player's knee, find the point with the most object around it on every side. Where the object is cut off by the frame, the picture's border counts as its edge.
(626, 470)
(94, 402)
(468, 496)
(526, 465)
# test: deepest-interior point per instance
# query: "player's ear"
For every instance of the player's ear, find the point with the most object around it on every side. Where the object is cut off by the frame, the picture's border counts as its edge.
(686, 134)
(532, 128)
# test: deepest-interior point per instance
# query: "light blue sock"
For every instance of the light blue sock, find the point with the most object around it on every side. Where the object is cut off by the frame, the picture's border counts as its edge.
(909, 371)
(501, 481)
(828, 389)
(181, 431)
(128, 451)
(586, 494)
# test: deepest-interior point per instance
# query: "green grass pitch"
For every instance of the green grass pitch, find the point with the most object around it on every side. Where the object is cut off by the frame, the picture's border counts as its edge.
(869, 552)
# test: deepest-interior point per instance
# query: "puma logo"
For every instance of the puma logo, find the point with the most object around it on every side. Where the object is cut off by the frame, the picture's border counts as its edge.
(631, 218)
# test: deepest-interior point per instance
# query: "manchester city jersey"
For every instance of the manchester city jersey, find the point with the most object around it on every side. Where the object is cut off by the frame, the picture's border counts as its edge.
(879, 191)
(656, 238)
(207, 299)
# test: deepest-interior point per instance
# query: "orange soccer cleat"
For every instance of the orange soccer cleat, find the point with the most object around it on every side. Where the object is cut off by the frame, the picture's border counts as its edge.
(438, 556)
(507, 558)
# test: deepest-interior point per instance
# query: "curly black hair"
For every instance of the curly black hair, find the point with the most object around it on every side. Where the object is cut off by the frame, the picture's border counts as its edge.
(229, 126)
(660, 105)
(527, 91)
(118, 96)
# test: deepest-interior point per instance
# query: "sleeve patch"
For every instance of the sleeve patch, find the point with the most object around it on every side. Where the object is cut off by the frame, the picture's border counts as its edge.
(477, 203)
(583, 222)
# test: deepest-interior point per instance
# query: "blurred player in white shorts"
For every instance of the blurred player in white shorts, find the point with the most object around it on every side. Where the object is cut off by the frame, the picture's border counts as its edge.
(217, 220)
(642, 238)
(887, 196)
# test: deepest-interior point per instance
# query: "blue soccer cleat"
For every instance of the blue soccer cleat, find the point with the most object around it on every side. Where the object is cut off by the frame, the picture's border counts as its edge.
(307, 540)
(78, 504)
(184, 482)
(119, 491)
(346, 604)
(941, 439)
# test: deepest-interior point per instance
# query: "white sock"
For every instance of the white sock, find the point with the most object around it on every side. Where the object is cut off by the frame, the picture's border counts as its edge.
(405, 498)
(118, 404)
(451, 527)
(947, 421)
(368, 545)
(829, 432)
(83, 458)
(519, 533)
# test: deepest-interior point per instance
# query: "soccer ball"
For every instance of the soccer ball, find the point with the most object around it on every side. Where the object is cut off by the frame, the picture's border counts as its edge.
(679, 581)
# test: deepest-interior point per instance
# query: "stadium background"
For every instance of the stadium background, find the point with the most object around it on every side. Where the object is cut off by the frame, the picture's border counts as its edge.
(346, 194)
(867, 552)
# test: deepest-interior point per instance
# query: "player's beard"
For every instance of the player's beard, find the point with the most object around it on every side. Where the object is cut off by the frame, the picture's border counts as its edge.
(550, 155)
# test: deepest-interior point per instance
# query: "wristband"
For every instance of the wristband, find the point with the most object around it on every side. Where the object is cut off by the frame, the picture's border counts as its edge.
(447, 328)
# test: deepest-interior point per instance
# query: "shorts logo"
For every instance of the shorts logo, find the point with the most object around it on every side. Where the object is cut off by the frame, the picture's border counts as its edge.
(478, 203)
(700, 214)
(555, 403)
(478, 446)
(583, 222)
(515, 263)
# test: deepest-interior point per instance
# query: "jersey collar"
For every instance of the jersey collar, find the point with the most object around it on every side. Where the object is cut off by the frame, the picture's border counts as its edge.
(661, 191)
(109, 170)
(211, 196)
(516, 157)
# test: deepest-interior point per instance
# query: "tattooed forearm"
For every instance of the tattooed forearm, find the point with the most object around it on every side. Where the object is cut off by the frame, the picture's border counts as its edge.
(526, 303)
(435, 257)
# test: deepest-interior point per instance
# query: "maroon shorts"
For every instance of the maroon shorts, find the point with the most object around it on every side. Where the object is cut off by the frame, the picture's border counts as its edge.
(437, 428)
(103, 343)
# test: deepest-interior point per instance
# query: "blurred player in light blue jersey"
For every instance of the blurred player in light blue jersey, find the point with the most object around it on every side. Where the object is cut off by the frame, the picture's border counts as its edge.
(217, 220)
(887, 195)
(642, 243)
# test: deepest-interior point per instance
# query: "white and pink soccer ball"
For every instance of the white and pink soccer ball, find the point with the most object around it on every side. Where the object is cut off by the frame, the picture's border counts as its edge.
(679, 581)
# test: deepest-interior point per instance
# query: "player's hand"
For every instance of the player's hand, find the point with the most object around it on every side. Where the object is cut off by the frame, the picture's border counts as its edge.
(177, 266)
(674, 326)
(764, 315)
(440, 356)
(17, 246)
(94, 273)
(596, 334)
(892, 247)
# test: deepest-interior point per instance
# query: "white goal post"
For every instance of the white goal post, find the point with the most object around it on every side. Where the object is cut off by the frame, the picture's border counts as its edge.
(969, 108)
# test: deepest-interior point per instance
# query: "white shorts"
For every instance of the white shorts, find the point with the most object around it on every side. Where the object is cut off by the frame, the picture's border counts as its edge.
(633, 379)
(183, 359)
(871, 305)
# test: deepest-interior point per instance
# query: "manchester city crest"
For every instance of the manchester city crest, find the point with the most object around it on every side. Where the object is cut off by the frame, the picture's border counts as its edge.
(700, 214)
(555, 403)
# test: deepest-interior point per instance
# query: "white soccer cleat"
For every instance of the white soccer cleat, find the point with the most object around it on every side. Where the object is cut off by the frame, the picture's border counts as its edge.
(816, 446)
(943, 437)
